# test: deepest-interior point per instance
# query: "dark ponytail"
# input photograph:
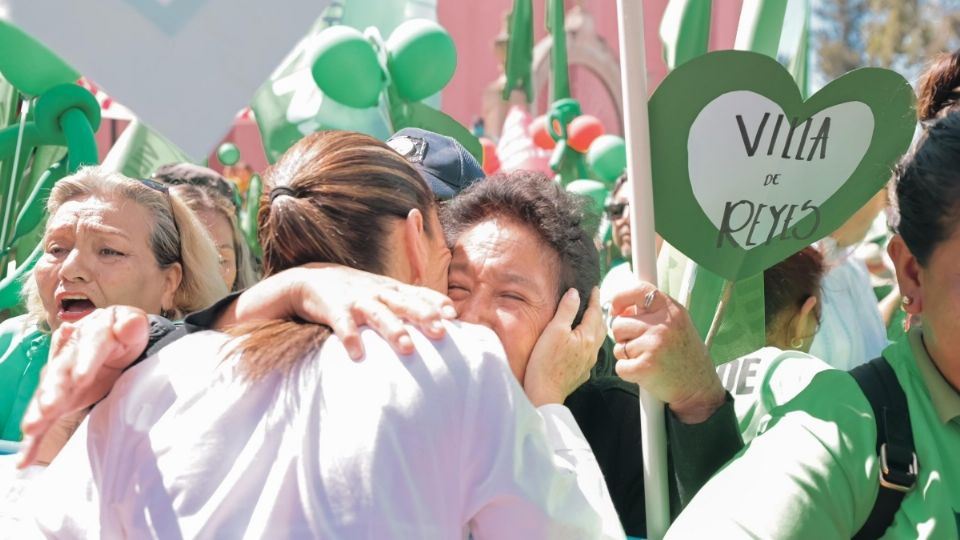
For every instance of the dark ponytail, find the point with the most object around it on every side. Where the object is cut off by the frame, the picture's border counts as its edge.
(332, 197)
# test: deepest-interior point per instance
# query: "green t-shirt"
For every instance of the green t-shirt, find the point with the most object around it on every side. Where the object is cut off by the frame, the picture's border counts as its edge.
(763, 380)
(23, 353)
(812, 472)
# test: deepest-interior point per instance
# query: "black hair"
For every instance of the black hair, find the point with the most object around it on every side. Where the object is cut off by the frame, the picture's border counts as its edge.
(559, 218)
(927, 189)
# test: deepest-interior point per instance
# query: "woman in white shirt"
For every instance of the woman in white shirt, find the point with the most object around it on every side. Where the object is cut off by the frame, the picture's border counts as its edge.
(279, 433)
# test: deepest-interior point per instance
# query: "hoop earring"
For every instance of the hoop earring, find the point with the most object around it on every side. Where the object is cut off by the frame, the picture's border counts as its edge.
(796, 343)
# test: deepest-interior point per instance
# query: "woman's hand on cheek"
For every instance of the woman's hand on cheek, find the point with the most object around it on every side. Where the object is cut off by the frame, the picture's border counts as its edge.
(562, 358)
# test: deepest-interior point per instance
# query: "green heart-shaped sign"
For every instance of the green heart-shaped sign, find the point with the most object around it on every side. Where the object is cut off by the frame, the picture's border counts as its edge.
(746, 173)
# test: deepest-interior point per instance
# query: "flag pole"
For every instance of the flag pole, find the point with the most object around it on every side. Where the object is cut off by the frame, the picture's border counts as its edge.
(633, 72)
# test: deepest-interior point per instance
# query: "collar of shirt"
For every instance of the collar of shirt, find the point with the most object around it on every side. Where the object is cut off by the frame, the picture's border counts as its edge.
(946, 399)
(204, 319)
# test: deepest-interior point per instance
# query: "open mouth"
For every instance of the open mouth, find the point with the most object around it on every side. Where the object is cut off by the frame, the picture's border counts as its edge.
(73, 308)
(76, 305)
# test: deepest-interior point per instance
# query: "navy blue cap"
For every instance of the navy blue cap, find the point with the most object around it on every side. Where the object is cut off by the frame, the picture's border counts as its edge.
(444, 163)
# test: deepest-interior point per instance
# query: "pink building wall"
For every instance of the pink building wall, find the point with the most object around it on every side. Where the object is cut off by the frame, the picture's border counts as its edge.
(475, 25)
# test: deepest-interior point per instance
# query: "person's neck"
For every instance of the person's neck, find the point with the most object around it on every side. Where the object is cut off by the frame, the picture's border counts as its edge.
(950, 372)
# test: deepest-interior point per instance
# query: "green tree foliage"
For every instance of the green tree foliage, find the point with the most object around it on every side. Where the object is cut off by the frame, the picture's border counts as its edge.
(896, 34)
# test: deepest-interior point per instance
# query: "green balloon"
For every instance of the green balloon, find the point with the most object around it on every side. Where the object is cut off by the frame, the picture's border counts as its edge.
(228, 153)
(346, 68)
(607, 158)
(28, 65)
(421, 59)
(596, 191)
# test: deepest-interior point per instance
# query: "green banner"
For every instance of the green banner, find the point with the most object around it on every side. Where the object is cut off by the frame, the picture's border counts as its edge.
(685, 30)
(140, 150)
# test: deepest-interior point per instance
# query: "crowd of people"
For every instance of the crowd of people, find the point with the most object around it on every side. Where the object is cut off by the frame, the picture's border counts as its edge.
(425, 352)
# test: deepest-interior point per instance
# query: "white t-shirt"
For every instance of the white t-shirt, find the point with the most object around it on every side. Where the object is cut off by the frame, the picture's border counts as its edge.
(439, 444)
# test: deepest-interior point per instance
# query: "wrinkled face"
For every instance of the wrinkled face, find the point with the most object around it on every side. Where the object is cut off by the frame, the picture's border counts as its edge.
(940, 303)
(503, 277)
(221, 232)
(97, 253)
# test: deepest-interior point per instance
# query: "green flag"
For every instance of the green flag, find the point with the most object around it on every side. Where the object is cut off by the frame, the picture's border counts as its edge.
(742, 329)
(761, 23)
(799, 51)
(519, 63)
(140, 150)
(9, 179)
(559, 74)
(685, 30)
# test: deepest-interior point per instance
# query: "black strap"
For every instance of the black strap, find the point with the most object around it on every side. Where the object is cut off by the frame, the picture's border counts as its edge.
(162, 333)
(898, 461)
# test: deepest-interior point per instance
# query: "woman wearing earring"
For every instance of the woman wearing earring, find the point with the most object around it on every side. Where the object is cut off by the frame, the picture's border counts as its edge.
(814, 469)
(791, 297)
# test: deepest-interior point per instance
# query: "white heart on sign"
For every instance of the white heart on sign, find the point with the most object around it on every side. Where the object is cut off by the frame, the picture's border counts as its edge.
(723, 172)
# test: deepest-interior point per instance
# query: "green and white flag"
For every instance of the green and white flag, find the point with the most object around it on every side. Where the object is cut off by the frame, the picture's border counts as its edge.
(798, 48)
(140, 150)
(760, 27)
(685, 30)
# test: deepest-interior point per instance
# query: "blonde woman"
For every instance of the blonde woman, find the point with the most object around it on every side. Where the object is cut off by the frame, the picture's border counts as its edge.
(108, 240)
(216, 202)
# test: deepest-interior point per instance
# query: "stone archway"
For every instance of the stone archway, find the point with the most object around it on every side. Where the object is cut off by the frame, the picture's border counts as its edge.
(586, 52)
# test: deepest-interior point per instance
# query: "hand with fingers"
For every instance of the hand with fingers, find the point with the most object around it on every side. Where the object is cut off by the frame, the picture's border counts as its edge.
(344, 299)
(658, 347)
(86, 359)
(562, 358)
